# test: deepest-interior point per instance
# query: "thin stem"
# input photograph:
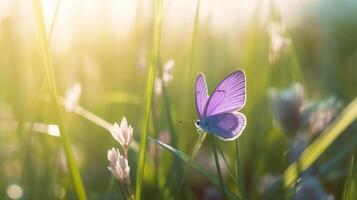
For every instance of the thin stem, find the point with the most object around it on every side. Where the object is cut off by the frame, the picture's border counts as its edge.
(110, 187)
(86, 114)
(237, 158)
(348, 185)
(176, 162)
(55, 14)
(92, 117)
(47, 62)
(122, 191)
(235, 180)
(130, 192)
(149, 90)
(217, 166)
(239, 169)
(194, 37)
(156, 156)
(194, 153)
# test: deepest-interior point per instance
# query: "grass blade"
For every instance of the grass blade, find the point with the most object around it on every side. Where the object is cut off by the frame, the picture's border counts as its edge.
(194, 165)
(149, 90)
(348, 184)
(47, 62)
(197, 147)
(194, 37)
(239, 169)
(217, 166)
(54, 18)
(176, 162)
(321, 143)
(194, 153)
(228, 168)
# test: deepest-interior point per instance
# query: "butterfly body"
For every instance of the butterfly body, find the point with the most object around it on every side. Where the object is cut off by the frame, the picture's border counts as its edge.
(218, 114)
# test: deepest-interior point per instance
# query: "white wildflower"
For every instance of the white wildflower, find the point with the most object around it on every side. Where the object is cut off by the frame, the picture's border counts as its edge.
(118, 165)
(72, 97)
(278, 41)
(167, 72)
(123, 133)
(158, 86)
(166, 77)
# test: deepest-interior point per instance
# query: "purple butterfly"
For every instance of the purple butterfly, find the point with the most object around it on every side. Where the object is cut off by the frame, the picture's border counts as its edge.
(218, 114)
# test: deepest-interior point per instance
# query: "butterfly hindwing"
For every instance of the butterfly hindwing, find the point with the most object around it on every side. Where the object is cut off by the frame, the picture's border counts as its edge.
(201, 94)
(229, 95)
(227, 126)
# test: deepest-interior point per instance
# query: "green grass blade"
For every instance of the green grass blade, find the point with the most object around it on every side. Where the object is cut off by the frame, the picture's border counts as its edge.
(195, 166)
(177, 162)
(239, 169)
(353, 188)
(194, 153)
(217, 166)
(228, 168)
(198, 145)
(348, 184)
(47, 62)
(54, 18)
(315, 149)
(149, 90)
(321, 143)
(194, 37)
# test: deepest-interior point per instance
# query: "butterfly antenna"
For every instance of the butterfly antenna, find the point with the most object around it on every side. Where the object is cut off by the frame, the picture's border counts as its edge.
(182, 121)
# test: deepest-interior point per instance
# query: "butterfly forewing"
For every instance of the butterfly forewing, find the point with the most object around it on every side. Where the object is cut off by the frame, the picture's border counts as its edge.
(229, 95)
(201, 94)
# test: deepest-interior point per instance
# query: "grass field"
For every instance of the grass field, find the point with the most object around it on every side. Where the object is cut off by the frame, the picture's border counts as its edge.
(69, 70)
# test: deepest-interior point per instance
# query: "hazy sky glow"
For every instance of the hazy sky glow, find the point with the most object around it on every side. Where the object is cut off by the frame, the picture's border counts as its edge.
(122, 13)
(92, 17)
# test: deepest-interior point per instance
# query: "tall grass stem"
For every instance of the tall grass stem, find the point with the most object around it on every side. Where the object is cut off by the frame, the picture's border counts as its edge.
(321, 143)
(348, 185)
(153, 60)
(198, 145)
(47, 63)
(217, 166)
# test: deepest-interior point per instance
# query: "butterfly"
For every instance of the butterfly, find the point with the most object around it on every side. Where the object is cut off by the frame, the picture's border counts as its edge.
(218, 114)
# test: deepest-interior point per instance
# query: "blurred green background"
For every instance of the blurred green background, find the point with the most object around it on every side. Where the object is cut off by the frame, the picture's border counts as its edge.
(105, 46)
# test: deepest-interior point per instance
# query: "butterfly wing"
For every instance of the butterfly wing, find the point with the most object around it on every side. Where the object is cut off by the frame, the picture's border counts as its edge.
(229, 95)
(201, 94)
(226, 126)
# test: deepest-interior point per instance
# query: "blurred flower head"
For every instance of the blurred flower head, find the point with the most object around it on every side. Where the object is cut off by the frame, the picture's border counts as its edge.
(212, 193)
(59, 191)
(323, 115)
(154, 150)
(158, 86)
(309, 187)
(296, 114)
(266, 182)
(72, 97)
(166, 77)
(14, 191)
(142, 60)
(118, 165)
(167, 72)
(123, 133)
(278, 41)
(287, 106)
(297, 146)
